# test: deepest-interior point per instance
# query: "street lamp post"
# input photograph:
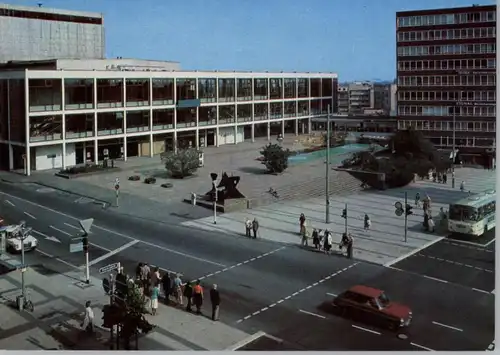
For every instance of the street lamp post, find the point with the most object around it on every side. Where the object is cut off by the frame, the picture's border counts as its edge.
(327, 172)
(453, 149)
(23, 232)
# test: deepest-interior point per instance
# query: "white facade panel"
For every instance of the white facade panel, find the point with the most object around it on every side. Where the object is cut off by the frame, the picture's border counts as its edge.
(226, 135)
(50, 157)
(33, 39)
(240, 135)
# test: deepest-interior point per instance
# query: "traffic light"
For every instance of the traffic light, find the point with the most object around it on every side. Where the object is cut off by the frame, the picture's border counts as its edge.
(344, 213)
(408, 209)
(85, 242)
(110, 315)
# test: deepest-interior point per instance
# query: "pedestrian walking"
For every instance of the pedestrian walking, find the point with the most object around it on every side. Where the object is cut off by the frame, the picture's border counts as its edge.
(88, 320)
(145, 274)
(198, 296)
(166, 283)
(327, 246)
(155, 276)
(255, 227)
(138, 271)
(215, 301)
(248, 228)
(302, 222)
(445, 178)
(417, 199)
(368, 222)
(462, 186)
(347, 242)
(155, 294)
(315, 237)
(431, 224)
(178, 290)
(188, 293)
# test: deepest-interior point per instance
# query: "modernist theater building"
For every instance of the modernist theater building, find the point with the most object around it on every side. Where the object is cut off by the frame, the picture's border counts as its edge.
(59, 113)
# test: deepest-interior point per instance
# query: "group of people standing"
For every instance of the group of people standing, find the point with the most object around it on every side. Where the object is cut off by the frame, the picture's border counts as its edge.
(323, 240)
(151, 282)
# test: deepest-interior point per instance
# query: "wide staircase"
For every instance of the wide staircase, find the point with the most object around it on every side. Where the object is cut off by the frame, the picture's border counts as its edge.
(341, 183)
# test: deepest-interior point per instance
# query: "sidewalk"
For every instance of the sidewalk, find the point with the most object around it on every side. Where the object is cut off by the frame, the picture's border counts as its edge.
(59, 309)
(383, 243)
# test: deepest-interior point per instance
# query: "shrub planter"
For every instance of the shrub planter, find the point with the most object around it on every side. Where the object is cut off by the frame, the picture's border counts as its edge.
(134, 178)
(150, 180)
(83, 170)
(167, 185)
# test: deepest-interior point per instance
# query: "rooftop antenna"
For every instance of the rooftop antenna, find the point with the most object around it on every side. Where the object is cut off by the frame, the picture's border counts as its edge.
(40, 4)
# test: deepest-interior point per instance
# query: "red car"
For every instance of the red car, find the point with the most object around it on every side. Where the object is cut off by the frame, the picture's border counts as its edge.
(372, 305)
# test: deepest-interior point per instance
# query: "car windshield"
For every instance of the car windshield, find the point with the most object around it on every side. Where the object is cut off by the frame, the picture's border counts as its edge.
(464, 214)
(383, 300)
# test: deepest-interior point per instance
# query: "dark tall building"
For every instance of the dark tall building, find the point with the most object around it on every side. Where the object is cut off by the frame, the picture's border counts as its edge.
(446, 73)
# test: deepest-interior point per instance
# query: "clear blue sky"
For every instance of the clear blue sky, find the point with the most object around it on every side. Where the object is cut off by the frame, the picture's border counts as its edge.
(355, 38)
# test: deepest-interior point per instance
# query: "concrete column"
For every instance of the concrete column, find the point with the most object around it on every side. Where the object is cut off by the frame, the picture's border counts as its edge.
(151, 146)
(27, 162)
(253, 132)
(151, 139)
(11, 157)
(8, 110)
(296, 127)
(235, 133)
(175, 116)
(124, 99)
(206, 137)
(283, 128)
(197, 138)
(96, 142)
(216, 138)
(63, 105)
(269, 131)
(253, 104)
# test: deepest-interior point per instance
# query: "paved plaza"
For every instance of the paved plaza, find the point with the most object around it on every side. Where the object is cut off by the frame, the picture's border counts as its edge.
(383, 243)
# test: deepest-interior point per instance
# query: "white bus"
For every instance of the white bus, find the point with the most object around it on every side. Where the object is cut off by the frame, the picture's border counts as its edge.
(473, 215)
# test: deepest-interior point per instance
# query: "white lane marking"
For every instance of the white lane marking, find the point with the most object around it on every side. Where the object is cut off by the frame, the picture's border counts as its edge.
(264, 309)
(365, 329)
(474, 244)
(51, 238)
(189, 256)
(421, 347)
(447, 326)
(312, 314)
(9, 203)
(455, 262)
(244, 262)
(435, 279)
(472, 247)
(75, 228)
(61, 231)
(395, 268)
(58, 259)
(402, 257)
(113, 252)
(331, 294)
(245, 341)
(29, 215)
(109, 230)
(302, 290)
(255, 313)
(491, 241)
(482, 291)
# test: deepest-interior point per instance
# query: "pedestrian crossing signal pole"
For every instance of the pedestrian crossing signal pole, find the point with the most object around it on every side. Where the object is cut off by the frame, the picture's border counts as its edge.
(344, 215)
(117, 191)
(85, 224)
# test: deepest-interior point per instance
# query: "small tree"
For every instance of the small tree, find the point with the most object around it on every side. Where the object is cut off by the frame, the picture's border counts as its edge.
(275, 158)
(181, 164)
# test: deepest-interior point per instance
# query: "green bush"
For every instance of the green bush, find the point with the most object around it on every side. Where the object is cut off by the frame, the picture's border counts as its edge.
(275, 158)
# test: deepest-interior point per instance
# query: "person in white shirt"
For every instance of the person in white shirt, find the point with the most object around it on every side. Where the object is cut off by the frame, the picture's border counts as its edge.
(88, 321)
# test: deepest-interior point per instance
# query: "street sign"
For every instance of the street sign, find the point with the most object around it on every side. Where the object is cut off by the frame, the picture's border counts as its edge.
(24, 156)
(86, 224)
(117, 187)
(117, 181)
(108, 268)
(76, 247)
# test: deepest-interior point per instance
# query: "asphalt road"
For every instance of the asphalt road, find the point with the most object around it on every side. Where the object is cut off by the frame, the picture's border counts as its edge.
(264, 286)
